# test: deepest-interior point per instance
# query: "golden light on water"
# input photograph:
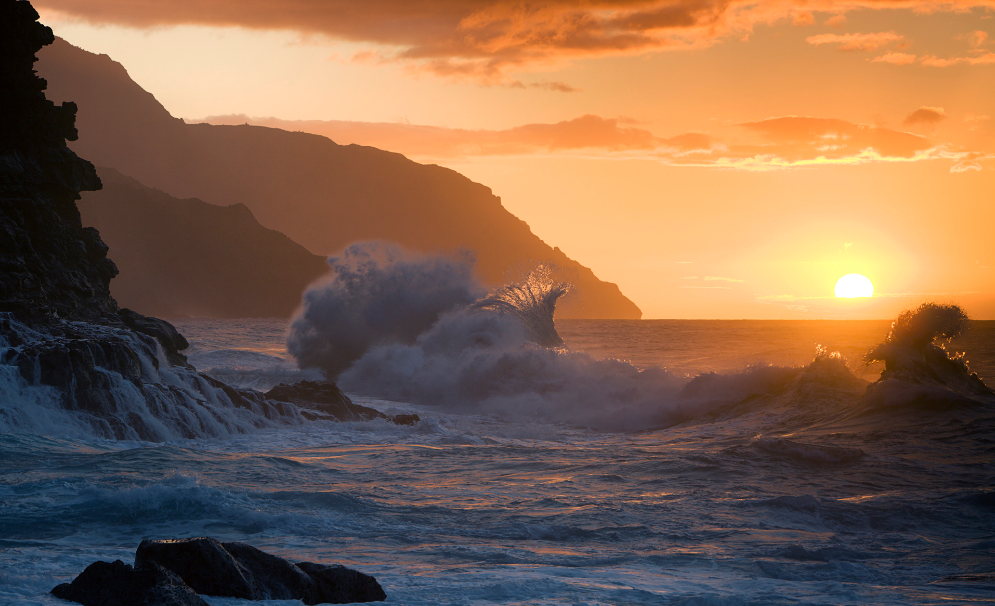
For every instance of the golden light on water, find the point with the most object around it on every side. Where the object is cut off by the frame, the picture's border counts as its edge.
(852, 286)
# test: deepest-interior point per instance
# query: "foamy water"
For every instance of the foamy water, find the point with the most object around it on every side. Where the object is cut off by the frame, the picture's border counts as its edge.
(789, 495)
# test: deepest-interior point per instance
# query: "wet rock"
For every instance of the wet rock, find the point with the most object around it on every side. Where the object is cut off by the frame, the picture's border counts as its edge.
(165, 333)
(118, 584)
(324, 400)
(241, 571)
(335, 584)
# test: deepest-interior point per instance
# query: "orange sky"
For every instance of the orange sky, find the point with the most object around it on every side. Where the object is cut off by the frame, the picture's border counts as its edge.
(716, 159)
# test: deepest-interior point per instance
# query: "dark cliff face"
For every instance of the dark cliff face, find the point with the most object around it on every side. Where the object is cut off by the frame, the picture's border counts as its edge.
(50, 265)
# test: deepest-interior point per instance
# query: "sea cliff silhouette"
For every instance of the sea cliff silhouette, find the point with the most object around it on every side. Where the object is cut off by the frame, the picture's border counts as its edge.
(187, 258)
(323, 195)
(72, 362)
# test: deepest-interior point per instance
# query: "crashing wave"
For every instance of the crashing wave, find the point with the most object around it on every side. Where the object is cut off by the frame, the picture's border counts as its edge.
(919, 371)
(532, 302)
(88, 380)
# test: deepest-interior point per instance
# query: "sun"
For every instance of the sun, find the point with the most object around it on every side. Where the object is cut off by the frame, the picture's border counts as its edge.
(852, 286)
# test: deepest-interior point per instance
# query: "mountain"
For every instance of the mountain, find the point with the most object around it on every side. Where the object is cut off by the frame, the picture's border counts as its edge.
(321, 194)
(190, 258)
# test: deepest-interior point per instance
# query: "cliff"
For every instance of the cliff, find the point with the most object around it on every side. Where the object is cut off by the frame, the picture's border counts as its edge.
(71, 362)
(188, 258)
(50, 266)
(321, 194)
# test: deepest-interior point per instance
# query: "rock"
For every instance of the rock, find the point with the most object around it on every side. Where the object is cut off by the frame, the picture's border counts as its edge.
(335, 584)
(325, 398)
(171, 340)
(118, 584)
(241, 571)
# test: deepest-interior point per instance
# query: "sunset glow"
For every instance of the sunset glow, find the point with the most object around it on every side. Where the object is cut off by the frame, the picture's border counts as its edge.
(650, 142)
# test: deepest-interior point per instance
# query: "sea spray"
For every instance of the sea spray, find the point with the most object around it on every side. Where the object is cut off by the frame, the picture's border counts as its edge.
(532, 301)
(377, 293)
(920, 374)
(492, 357)
(142, 397)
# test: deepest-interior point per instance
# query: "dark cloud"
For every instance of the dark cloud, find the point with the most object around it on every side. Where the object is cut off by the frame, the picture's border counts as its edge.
(483, 39)
(926, 115)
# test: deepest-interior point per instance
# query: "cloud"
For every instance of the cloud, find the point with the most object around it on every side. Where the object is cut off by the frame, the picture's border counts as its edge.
(977, 38)
(926, 115)
(713, 278)
(934, 61)
(774, 143)
(584, 133)
(856, 42)
(485, 39)
(797, 137)
(896, 58)
(560, 87)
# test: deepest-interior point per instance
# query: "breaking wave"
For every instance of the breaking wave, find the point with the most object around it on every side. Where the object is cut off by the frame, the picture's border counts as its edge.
(500, 354)
(376, 293)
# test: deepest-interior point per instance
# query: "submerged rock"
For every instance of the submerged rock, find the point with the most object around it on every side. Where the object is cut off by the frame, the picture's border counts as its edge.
(241, 571)
(118, 584)
(324, 400)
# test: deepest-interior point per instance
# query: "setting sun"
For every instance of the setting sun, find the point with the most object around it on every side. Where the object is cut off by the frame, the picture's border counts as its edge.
(852, 286)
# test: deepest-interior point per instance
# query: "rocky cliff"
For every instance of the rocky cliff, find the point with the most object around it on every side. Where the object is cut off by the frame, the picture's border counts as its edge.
(322, 195)
(188, 258)
(72, 362)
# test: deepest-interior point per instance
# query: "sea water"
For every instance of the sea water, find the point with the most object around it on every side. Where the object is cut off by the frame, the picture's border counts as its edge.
(754, 504)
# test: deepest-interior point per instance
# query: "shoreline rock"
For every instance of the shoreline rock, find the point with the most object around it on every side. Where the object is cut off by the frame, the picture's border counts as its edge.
(173, 572)
(324, 400)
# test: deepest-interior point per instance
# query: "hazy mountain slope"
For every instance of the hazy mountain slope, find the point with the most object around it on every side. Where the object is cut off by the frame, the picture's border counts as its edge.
(190, 258)
(321, 194)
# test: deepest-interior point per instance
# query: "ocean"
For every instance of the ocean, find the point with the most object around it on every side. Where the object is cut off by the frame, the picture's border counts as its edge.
(641, 462)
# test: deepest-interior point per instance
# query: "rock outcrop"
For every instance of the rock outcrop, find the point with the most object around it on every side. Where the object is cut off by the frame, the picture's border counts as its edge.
(324, 400)
(322, 195)
(118, 584)
(173, 572)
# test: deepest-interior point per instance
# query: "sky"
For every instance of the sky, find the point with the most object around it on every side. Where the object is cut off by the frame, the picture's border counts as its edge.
(714, 158)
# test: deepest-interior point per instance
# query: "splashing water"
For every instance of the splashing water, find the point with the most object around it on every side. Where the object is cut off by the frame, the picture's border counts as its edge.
(377, 293)
(532, 302)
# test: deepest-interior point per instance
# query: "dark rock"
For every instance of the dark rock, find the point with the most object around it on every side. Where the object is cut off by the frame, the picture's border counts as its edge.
(118, 584)
(336, 584)
(202, 563)
(406, 419)
(330, 403)
(241, 571)
(171, 340)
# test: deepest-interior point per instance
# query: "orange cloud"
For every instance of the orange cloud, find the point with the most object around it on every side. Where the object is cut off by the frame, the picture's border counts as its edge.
(583, 133)
(926, 115)
(933, 61)
(856, 42)
(797, 138)
(896, 58)
(977, 38)
(775, 143)
(485, 39)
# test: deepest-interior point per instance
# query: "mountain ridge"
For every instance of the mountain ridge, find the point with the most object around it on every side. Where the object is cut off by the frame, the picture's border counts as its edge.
(322, 195)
